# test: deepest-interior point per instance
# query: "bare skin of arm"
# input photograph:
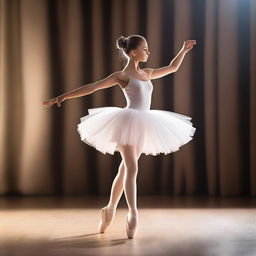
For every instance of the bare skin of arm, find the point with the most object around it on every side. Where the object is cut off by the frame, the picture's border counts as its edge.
(109, 81)
(174, 64)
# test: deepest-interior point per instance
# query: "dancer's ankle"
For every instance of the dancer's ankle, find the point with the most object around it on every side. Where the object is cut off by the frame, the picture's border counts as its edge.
(133, 212)
(111, 207)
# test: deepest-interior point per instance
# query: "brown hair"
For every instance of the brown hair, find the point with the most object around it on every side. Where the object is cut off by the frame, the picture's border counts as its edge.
(126, 44)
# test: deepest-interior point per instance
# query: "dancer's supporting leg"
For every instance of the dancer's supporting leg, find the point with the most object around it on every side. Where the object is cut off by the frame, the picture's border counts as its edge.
(116, 193)
(130, 158)
(118, 186)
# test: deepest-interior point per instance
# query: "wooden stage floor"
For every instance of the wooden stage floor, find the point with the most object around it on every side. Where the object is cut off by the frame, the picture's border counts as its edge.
(174, 225)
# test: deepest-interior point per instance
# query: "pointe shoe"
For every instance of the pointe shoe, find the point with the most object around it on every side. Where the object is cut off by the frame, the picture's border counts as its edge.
(130, 231)
(106, 219)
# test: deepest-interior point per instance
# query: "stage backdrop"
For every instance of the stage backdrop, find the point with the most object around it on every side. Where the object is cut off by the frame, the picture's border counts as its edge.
(51, 47)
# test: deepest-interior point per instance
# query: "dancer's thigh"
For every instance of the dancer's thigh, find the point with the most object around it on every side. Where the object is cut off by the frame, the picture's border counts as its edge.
(129, 156)
(132, 149)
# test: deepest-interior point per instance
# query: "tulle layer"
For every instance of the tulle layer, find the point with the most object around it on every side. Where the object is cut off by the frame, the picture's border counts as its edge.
(152, 131)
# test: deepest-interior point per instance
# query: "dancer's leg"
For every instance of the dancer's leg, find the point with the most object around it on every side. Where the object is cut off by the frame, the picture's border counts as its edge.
(130, 157)
(116, 192)
(117, 187)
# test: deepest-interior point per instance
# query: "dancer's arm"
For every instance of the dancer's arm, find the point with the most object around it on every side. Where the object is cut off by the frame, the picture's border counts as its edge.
(174, 64)
(85, 89)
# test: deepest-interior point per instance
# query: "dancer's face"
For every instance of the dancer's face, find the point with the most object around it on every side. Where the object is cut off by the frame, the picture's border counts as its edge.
(141, 53)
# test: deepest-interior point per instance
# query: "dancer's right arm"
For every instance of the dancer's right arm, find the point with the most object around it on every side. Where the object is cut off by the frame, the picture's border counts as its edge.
(85, 89)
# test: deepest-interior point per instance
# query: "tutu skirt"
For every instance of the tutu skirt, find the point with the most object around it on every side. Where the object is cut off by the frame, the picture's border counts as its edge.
(152, 131)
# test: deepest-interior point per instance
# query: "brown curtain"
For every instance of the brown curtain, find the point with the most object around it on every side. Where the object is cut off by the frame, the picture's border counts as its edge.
(51, 47)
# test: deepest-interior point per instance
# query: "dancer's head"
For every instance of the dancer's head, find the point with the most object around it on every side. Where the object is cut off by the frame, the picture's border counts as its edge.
(134, 47)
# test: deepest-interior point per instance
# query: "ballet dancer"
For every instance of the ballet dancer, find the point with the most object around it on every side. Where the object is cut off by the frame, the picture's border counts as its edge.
(132, 130)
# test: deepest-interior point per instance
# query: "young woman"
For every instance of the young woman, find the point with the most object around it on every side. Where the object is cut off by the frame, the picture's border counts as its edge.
(132, 130)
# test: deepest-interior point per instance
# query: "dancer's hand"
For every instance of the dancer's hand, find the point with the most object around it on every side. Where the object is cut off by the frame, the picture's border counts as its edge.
(188, 45)
(57, 100)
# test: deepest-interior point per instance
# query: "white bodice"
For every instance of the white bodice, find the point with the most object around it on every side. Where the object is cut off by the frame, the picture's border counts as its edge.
(138, 93)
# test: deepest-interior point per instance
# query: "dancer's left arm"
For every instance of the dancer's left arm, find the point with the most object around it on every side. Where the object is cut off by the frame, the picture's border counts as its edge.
(174, 64)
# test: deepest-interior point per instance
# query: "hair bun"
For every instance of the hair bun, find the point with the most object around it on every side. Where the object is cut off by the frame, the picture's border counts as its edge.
(121, 42)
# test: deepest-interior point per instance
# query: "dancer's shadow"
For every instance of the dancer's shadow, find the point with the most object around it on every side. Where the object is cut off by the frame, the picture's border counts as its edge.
(63, 246)
(91, 243)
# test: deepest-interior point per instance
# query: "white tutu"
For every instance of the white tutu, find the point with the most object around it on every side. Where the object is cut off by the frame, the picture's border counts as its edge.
(153, 131)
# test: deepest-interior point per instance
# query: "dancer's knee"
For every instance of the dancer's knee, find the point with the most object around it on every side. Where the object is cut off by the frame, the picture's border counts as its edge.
(131, 169)
(121, 168)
